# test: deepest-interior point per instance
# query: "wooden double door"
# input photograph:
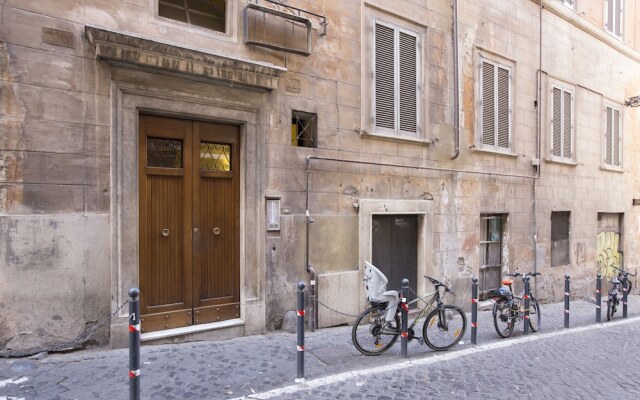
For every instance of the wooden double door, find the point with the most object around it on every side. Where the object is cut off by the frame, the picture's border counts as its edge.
(189, 176)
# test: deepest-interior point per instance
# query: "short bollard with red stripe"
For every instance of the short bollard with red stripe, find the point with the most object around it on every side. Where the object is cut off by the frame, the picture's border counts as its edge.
(566, 301)
(625, 295)
(405, 318)
(300, 332)
(474, 310)
(134, 344)
(598, 296)
(527, 294)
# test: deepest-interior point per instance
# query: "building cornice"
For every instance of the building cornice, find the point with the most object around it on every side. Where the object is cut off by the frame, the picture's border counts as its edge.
(588, 27)
(128, 49)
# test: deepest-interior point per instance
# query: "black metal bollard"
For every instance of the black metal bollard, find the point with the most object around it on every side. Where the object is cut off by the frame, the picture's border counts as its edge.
(300, 332)
(598, 296)
(526, 304)
(625, 294)
(405, 318)
(134, 344)
(566, 301)
(474, 310)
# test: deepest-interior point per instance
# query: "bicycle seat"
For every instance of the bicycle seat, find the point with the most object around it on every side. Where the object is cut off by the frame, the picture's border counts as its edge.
(507, 282)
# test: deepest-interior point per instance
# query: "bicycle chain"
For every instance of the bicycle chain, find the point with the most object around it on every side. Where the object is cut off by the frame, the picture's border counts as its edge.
(67, 345)
(330, 308)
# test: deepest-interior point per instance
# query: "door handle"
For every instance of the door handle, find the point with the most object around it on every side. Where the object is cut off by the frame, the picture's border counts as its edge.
(216, 231)
(165, 232)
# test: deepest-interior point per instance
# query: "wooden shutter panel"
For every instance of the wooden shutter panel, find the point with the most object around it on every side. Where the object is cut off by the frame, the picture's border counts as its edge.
(616, 138)
(488, 104)
(503, 108)
(608, 135)
(567, 120)
(384, 77)
(408, 83)
(556, 121)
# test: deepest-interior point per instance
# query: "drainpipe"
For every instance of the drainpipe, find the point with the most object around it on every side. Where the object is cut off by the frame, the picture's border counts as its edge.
(538, 147)
(456, 84)
(313, 305)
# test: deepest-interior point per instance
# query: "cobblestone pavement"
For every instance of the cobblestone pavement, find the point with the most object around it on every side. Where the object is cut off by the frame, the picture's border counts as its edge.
(255, 364)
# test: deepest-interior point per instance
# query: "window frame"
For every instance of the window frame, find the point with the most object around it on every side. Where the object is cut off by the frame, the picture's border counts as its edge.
(510, 67)
(396, 132)
(612, 29)
(230, 23)
(569, 3)
(605, 165)
(563, 90)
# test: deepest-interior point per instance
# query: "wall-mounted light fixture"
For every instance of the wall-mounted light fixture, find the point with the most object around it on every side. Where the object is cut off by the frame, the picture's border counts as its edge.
(633, 101)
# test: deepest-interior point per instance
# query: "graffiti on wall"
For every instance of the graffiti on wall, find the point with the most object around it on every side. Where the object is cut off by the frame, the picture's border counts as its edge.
(608, 255)
(580, 251)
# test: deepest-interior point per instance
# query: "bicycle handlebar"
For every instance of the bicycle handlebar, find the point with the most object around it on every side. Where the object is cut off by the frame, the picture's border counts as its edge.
(515, 274)
(437, 284)
(625, 273)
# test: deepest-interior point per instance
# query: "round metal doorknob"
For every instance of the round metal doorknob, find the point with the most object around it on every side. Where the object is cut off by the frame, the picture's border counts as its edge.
(216, 231)
(165, 232)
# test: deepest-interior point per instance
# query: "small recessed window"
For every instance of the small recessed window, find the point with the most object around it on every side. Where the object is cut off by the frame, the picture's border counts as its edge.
(210, 14)
(304, 127)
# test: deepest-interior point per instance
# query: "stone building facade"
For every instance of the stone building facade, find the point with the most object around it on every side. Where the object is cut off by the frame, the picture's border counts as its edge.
(215, 153)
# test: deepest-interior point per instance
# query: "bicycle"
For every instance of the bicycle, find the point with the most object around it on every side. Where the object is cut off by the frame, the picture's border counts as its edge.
(613, 299)
(508, 309)
(444, 326)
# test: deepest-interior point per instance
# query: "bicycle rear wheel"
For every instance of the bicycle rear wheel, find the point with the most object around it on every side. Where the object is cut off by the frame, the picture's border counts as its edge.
(444, 327)
(534, 315)
(371, 334)
(503, 319)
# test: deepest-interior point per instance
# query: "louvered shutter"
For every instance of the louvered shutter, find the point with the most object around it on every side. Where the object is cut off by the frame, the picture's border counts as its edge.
(567, 121)
(408, 83)
(556, 122)
(488, 104)
(608, 135)
(616, 138)
(504, 115)
(384, 77)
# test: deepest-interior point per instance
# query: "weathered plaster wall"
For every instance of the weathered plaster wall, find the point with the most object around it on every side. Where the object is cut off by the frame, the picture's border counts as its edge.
(53, 279)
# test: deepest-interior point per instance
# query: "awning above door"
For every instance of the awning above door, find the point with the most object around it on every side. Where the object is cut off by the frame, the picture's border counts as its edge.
(124, 48)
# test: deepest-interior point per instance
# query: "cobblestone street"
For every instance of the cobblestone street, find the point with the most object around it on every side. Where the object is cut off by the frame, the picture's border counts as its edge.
(554, 363)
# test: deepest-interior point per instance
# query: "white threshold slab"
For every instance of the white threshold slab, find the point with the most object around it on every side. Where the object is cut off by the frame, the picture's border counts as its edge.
(167, 333)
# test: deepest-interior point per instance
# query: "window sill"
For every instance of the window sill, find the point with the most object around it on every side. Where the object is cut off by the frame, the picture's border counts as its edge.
(611, 168)
(567, 162)
(398, 139)
(494, 152)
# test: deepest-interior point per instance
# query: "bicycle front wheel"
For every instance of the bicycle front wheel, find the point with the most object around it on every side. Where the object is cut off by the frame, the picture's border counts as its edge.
(372, 335)
(502, 318)
(444, 327)
(534, 315)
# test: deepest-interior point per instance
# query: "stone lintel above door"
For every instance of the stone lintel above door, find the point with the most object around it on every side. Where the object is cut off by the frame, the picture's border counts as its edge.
(124, 48)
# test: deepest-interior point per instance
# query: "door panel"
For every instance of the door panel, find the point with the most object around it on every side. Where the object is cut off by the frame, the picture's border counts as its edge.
(165, 235)
(217, 272)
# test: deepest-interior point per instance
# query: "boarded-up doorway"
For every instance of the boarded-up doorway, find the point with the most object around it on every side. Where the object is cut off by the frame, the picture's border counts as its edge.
(395, 249)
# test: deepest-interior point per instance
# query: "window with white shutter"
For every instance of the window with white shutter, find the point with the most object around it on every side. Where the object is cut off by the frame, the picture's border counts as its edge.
(396, 56)
(496, 98)
(614, 17)
(562, 135)
(569, 3)
(613, 137)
